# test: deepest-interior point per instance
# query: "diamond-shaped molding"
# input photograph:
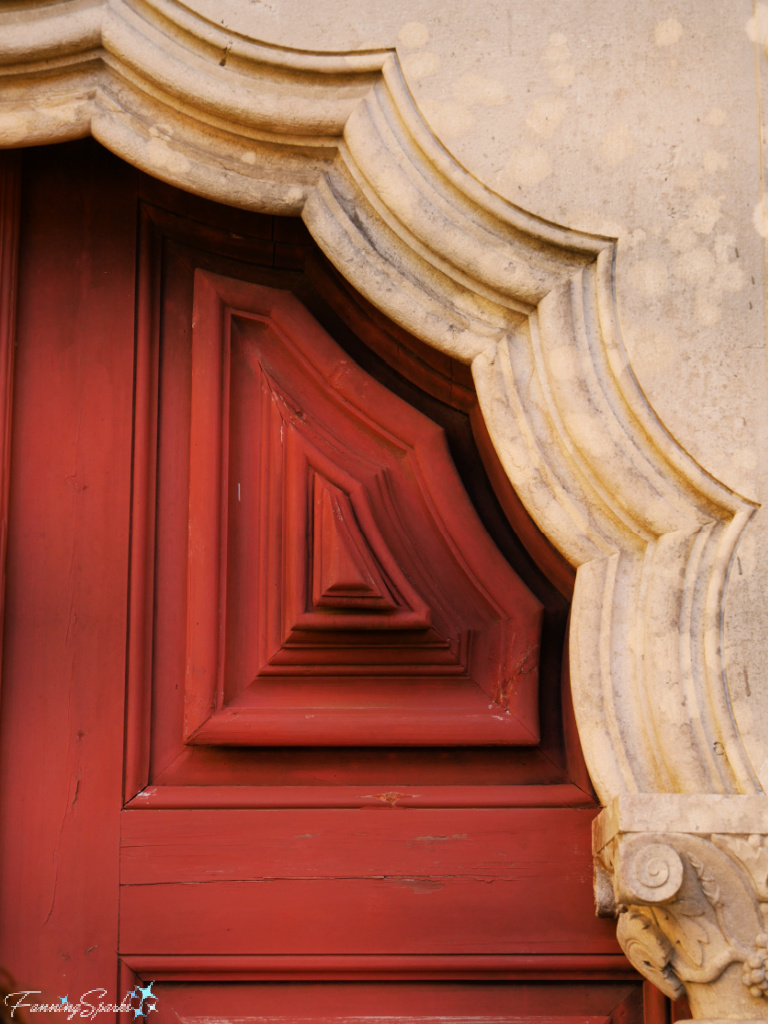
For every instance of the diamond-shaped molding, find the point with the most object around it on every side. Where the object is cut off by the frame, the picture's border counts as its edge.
(342, 589)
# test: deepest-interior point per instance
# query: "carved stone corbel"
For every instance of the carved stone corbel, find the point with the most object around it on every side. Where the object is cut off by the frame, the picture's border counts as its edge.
(687, 879)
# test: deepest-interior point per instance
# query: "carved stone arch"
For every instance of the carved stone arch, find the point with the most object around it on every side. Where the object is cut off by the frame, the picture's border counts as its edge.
(338, 139)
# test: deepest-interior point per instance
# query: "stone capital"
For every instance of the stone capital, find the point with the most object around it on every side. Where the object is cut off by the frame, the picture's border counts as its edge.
(686, 877)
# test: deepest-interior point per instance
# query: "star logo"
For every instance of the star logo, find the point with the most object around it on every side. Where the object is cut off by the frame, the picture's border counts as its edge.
(146, 999)
(65, 1000)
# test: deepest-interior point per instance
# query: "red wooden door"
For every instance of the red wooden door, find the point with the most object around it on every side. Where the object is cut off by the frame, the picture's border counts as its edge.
(285, 724)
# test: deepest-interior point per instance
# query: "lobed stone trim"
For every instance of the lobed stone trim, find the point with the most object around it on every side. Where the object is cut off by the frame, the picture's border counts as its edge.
(337, 138)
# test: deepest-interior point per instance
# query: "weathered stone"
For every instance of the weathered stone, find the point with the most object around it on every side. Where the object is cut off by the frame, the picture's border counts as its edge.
(691, 896)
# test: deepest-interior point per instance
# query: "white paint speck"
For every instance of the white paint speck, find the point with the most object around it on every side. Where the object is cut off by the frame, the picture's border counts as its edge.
(617, 145)
(760, 219)
(472, 88)
(529, 166)
(668, 32)
(413, 34)
(563, 75)
(557, 49)
(420, 65)
(546, 114)
(160, 154)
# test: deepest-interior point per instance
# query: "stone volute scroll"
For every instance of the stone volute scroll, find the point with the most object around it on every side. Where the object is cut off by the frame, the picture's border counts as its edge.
(338, 140)
(691, 898)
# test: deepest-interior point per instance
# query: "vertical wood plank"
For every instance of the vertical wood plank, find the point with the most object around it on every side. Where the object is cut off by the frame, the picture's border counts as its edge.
(62, 716)
(10, 213)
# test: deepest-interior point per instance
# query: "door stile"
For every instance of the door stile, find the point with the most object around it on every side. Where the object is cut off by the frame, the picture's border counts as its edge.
(10, 217)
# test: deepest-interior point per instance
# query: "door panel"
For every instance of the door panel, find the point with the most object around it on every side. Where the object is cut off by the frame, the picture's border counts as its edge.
(341, 590)
(285, 722)
(181, 529)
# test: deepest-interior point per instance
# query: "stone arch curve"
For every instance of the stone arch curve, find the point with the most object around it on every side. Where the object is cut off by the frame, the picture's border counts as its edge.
(337, 139)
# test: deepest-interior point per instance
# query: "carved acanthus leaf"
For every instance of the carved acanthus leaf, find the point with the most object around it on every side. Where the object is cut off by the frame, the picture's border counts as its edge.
(708, 884)
(687, 936)
(647, 949)
(751, 852)
(695, 897)
(694, 901)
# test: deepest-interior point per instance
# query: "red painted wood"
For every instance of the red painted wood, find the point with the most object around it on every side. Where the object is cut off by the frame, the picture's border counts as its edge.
(290, 439)
(656, 1007)
(377, 915)
(517, 876)
(64, 642)
(142, 536)
(256, 862)
(680, 1010)
(274, 797)
(205, 846)
(414, 1003)
(10, 214)
(174, 763)
(170, 1014)
(319, 967)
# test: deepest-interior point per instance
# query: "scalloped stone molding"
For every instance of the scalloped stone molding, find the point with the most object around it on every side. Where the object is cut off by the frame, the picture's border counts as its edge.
(337, 139)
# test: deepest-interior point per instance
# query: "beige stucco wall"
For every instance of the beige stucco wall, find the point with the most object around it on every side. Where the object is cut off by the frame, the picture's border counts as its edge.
(638, 121)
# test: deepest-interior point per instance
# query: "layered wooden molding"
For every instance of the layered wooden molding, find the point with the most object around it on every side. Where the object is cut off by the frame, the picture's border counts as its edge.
(307, 567)
(334, 1002)
(337, 139)
(334, 555)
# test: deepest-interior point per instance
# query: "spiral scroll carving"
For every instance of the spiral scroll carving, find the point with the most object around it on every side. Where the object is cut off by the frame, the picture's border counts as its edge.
(690, 912)
(653, 872)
